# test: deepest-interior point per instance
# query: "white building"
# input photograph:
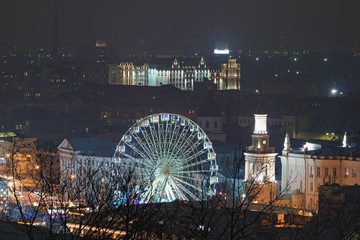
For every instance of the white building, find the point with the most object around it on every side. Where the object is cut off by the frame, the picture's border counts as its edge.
(307, 168)
(85, 162)
(260, 157)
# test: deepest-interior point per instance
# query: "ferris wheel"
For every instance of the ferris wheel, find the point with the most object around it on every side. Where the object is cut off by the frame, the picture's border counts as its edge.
(170, 157)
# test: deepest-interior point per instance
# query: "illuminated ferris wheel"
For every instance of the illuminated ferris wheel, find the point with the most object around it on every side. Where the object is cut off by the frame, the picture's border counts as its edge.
(171, 158)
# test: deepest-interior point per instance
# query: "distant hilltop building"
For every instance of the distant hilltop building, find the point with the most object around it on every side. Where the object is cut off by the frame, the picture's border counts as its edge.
(221, 47)
(100, 48)
(182, 73)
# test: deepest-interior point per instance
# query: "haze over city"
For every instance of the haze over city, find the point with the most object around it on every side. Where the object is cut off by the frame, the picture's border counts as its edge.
(179, 120)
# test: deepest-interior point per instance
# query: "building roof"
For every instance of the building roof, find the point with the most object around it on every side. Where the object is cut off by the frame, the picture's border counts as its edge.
(102, 147)
(336, 151)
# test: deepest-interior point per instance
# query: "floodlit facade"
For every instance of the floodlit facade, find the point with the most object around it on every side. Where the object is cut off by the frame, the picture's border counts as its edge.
(179, 72)
(182, 73)
(228, 76)
(260, 157)
(305, 170)
(85, 159)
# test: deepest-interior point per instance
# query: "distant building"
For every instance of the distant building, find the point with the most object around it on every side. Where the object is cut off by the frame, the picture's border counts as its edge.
(210, 118)
(260, 162)
(4, 196)
(100, 73)
(230, 75)
(283, 123)
(100, 48)
(260, 157)
(84, 162)
(179, 72)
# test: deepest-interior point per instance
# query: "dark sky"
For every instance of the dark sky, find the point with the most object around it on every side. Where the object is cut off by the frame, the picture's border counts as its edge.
(246, 23)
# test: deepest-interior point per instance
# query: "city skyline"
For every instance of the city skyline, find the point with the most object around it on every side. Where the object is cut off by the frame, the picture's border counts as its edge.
(246, 25)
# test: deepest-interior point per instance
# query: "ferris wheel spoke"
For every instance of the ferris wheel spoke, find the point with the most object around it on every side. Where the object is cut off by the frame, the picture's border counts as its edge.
(176, 179)
(177, 189)
(189, 171)
(193, 164)
(187, 178)
(150, 155)
(155, 139)
(177, 146)
(189, 147)
(193, 148)
(190, 158)
(170, 143)
(135, 160)
(169, 160)
(188, 192)
(146, 156)
(150, 143)
(180, 148)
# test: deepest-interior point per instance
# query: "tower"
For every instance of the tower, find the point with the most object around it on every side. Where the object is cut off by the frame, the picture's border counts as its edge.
(260, 157)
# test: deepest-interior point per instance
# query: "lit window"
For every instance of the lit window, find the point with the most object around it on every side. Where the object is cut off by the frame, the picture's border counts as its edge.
(346, 172)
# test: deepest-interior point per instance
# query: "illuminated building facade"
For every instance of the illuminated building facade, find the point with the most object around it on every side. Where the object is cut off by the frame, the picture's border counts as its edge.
(230, 74)
(304, 170)
(260, 157)
(228, 77)
(283, 123)
(4, 195)
(100, 48)
(85, 159)
(181, 73)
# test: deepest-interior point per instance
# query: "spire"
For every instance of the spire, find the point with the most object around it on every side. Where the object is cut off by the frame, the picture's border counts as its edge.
(345, 140)
(260, 108)
(175, 63)
(286, 144)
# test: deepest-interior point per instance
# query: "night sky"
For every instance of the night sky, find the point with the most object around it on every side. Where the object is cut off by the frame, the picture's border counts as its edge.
(246, 24)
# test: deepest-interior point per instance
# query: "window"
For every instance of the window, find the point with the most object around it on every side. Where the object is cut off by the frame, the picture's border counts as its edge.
(334, 172)
(354, 172)
(311, 171)
(215, 125)
(311, 187)
(346, 172)
(207, 125)
(318, 171)
(326, 172)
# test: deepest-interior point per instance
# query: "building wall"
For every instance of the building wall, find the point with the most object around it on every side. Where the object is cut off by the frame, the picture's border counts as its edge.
(305, 173)
(230, 74)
